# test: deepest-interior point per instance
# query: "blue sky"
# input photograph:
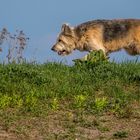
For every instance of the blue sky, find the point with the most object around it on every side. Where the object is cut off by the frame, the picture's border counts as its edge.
(41, 20)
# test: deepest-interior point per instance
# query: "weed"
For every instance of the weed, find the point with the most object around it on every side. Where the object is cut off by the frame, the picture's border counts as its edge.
(92, 59)
(79, 101)
(16, 43)
(5, 101)
(120, 134)
(100, 104)
(54, 104)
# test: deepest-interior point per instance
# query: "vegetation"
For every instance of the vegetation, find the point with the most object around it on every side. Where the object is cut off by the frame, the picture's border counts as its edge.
(16, 44)
(90, 100)
(120, 134)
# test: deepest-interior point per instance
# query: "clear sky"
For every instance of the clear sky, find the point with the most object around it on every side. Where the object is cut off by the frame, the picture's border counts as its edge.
(41, 20)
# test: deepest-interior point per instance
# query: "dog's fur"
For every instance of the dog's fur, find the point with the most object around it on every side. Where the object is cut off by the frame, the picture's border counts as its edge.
(105, 35)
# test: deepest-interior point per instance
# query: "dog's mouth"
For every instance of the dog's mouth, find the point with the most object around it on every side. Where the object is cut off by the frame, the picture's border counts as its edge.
(63, 52)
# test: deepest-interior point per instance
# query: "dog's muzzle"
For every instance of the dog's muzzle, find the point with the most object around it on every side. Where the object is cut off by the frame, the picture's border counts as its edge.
(53, 48)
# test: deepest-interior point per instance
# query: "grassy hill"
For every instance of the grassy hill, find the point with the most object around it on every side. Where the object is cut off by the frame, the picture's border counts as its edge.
(55, 101)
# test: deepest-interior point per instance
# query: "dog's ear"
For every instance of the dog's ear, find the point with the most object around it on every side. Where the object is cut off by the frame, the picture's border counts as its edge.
(66, 29)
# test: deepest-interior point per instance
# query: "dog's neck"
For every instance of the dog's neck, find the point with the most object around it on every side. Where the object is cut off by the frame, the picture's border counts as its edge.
(81, 44)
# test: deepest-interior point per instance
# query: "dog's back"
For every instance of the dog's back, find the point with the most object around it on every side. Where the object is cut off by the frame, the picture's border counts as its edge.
(116, 34)
(112, 28)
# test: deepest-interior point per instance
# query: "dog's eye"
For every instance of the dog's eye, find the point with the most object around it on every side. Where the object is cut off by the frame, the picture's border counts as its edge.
(59, 40)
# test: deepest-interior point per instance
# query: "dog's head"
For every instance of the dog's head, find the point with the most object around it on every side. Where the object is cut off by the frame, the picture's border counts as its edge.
(65, 43)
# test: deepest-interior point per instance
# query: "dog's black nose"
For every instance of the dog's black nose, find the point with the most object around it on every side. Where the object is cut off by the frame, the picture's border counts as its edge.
(53, 48)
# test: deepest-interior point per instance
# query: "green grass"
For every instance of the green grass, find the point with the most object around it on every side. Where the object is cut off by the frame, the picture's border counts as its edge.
(37, 90)
(105, 87)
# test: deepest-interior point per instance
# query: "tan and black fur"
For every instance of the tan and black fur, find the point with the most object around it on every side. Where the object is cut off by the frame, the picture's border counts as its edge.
(106, 35)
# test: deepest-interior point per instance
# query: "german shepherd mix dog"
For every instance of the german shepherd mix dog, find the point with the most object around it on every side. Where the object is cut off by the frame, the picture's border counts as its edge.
(105, 35)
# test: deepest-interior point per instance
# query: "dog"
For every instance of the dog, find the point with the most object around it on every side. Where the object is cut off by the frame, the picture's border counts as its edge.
(106, 35)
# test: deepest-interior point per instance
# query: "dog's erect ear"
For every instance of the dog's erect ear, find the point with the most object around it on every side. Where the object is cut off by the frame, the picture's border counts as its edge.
(66, 29)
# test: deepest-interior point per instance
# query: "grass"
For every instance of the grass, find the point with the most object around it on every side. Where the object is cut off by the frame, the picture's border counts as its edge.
(120, 134)
(101, 88)
(73, 98)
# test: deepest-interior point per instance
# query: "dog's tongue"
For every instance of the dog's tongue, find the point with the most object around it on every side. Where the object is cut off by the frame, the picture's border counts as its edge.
(60, 53)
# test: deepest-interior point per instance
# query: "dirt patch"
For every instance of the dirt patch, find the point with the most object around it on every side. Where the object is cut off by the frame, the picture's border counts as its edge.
(71, 125)
(7, 135)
